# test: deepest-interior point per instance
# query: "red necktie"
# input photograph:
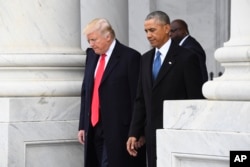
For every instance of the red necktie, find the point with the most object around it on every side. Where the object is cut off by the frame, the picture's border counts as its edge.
(95, 99)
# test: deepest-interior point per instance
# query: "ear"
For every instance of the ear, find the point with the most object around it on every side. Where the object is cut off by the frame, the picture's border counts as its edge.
(108, 37)
(167, 28)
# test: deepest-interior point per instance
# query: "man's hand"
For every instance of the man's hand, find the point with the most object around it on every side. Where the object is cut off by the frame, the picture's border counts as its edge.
(81, 137)
(140, 142)
(131, 146)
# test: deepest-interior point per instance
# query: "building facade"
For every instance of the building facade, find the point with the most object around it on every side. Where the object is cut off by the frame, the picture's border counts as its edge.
(42, 65)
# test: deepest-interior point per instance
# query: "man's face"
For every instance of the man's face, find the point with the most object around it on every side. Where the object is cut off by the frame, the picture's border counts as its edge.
(176, 32)
(98, 42)
(157, 33)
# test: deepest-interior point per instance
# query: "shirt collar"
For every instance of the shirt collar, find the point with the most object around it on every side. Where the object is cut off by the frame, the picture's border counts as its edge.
(111, 48)
(164, 49)
(183, 40)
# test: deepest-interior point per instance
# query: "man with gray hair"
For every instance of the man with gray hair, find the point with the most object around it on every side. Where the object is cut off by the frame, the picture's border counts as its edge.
(107, 98)
(168, 72)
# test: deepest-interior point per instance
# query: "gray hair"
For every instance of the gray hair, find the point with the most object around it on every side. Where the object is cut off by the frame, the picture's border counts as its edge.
(159, 16)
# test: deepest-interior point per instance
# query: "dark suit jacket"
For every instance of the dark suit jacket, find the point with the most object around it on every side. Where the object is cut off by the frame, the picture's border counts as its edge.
(192, 44)
(117, 94)
(178, 78)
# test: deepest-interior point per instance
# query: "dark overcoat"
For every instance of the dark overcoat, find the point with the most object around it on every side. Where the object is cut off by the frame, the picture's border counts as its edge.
(193, 45)
(179, 78)
(117, 95)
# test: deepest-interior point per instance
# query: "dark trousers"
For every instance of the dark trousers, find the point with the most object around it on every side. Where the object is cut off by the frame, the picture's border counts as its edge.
(99, 145)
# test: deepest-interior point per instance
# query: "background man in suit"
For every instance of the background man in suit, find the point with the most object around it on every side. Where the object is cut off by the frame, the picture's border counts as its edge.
(180, 34)
(105, 134)
(179, 77)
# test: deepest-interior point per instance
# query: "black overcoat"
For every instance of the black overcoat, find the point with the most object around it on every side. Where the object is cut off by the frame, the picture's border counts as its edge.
(193, 45)
(179, 78)
(117, 95)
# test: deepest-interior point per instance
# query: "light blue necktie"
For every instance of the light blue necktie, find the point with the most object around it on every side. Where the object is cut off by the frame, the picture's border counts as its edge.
(156, 64)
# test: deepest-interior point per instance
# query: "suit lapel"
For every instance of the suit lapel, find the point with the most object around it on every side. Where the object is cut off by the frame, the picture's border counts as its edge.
(147, 66)
(92, 62)
(114, 59)
(168, 63)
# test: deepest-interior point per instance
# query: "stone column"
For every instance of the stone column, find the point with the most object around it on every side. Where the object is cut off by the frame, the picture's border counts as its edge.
(203, 132)
(39, 46)
(137, 35)
(41, 70)
(234, 84)
(116, 11)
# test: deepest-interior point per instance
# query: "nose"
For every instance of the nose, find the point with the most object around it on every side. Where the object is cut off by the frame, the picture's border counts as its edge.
(148, 34)
(91, 43)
